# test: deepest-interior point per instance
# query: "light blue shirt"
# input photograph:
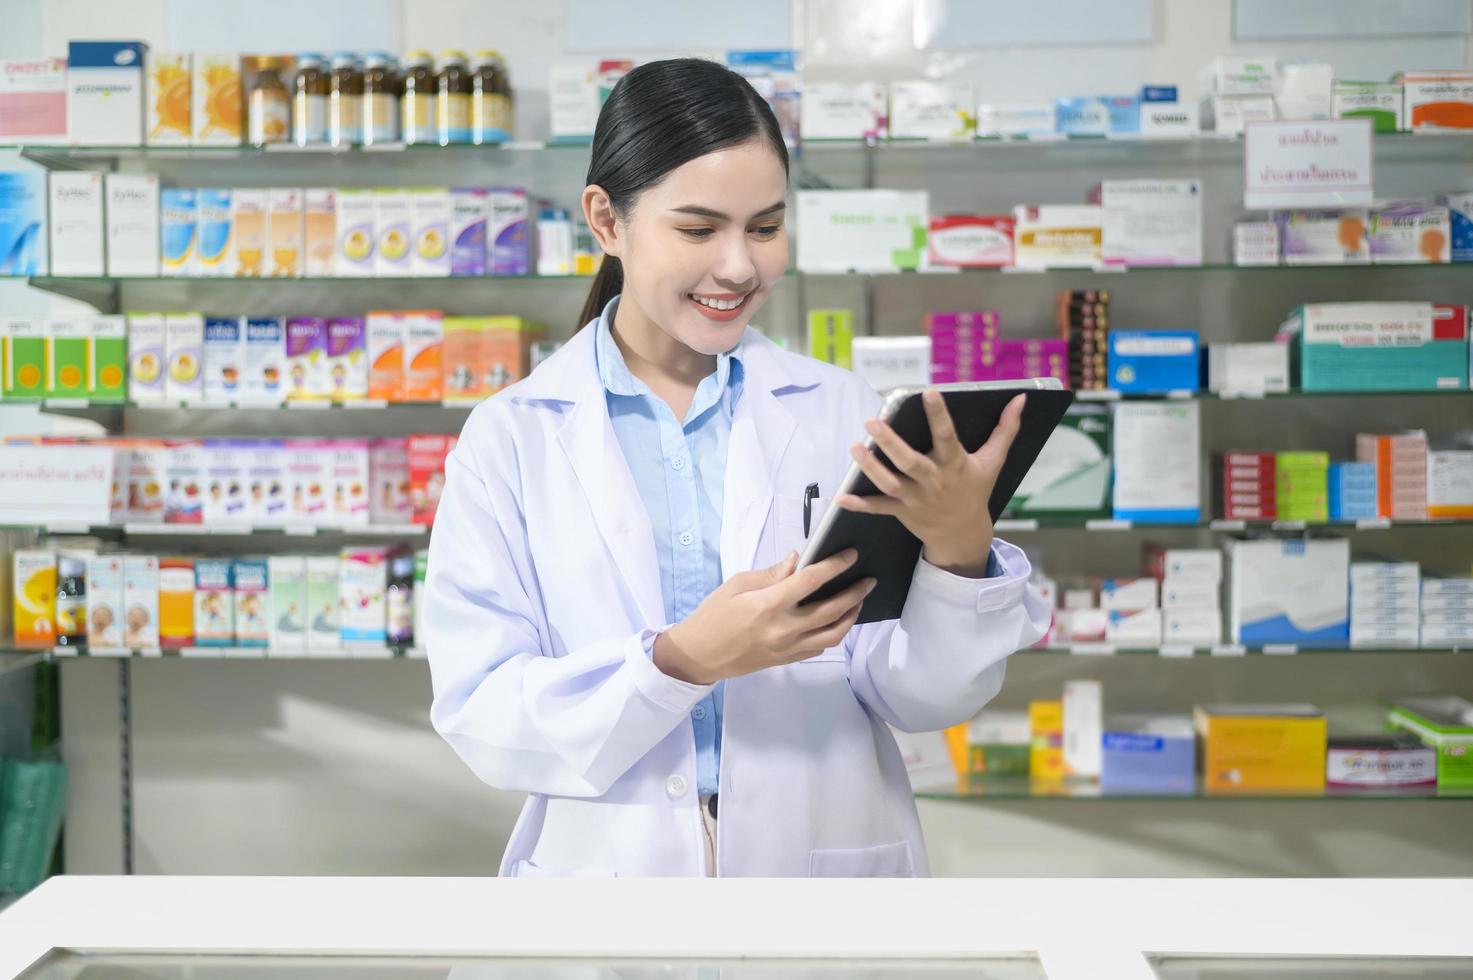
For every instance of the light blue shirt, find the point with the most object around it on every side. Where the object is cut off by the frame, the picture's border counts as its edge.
(679, 468)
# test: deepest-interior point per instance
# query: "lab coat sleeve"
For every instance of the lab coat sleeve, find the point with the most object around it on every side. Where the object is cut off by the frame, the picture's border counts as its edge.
(945, 657)
(567, 725)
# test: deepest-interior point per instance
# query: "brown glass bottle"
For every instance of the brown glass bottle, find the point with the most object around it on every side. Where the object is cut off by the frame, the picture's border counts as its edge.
(491, 105)
(345, 103)
(380, 100)
(268, 106)
(453, 99)
(417, 100)
(311, 89)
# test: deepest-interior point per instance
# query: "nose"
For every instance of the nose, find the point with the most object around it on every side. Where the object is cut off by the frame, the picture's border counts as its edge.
(736, 272)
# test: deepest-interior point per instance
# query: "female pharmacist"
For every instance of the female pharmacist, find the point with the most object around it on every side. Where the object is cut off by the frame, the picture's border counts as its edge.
(611, 600)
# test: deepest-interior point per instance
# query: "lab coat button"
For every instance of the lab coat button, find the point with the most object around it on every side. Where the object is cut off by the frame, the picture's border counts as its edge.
(675, 787)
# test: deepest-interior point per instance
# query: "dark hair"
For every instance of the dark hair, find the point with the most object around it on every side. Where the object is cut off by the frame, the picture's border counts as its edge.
(659, 116)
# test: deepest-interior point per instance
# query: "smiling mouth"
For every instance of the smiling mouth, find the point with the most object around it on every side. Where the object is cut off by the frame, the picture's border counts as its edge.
(721, 304)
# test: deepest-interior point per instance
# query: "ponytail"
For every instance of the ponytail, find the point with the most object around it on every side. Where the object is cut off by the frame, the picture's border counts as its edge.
(606, 285)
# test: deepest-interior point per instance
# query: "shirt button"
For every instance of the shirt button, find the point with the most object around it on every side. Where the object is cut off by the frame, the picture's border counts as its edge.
(678, 462)
(686, 538)
(699, 713)
(675, 787)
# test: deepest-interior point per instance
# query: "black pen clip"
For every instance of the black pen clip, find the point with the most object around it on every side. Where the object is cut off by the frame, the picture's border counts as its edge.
(809, 495)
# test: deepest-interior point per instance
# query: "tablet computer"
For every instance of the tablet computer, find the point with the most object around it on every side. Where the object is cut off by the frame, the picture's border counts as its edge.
(887, 550)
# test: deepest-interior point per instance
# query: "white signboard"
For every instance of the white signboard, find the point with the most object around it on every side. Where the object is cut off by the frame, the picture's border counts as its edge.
(55, 484)
(1307, 164)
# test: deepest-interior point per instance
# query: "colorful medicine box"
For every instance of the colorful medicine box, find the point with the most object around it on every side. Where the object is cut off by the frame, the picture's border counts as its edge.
(1446, 724)
(1262, 748)
(1153, 361)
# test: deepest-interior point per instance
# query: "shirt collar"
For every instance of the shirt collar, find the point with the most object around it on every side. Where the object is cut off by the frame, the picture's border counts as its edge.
(614, 373)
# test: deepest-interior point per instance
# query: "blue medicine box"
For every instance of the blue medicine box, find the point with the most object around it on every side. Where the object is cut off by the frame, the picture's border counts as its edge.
(1125, 113)
(1144, 754)
(1086, 116)
(1352, 489)
(1159, 93)
(1146, 362)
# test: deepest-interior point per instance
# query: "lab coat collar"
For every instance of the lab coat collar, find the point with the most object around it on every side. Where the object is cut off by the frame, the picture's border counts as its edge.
(761, 431)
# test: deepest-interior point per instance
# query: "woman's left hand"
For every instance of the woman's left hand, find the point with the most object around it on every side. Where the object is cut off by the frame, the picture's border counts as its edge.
(940, 497)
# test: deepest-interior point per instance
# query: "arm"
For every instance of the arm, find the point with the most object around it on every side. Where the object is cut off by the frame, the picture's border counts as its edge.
(523, 720)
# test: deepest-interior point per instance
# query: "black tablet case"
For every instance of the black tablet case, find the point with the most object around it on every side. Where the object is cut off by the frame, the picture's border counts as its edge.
(889, 552)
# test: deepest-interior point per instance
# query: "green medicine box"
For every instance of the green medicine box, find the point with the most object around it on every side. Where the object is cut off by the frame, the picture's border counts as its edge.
(23, 350)
(1444, 723)
(108, 379)
(66, 358)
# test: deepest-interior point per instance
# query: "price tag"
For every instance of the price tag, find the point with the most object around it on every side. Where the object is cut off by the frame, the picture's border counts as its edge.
(1176, 650)
(1092, 649)
(1229, 650)
(1280, 649)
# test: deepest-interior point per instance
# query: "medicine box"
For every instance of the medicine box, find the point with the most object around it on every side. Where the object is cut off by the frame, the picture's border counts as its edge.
(248, 228)
(104, 603)
(251, 582)
(1290, 592)
(508, 245)
(892, 362)
(388, 478)
(1380, 102)
(308, 472)
(1410, 233)
(1153, 361)
(1150, 222)
(1082, 116)
(831, 337)
(1035, 120)
(1324, 237)
(141, 602)
(267, 502)
(391, 223)
(224, 357)
(214, 250)
(319, 232)
(105, 92)
(1239, 75)
(1248, 368)
(430, 211)
(362, 585)
(107, 359)
(385, 339)
(178, 231)
(214, 603)
(862, 230)
(1445, 723)
(1129, 594)
(286, 246)
(1195, 626)
(23, 236)
(843, 110)
(169, 99)
(1070, 479)
(971, 241)
(1437, 100)
(219, 110)
(67, 357)
(1460, 214)
(427, 474)
(184, 336)
(1378, 346)
(424, 335)
(1148, 754)
(324, 632)
(347, 358)
(1230, 115)
(1083, 719)
(1137, 628)
(354, 256)
(998, 743)
(264, 361)
(33, 97)
(132, 225)
(287, 602)
(176, 603)
(75, 223)
(307, 377)
(1255, 243)
(931, 110)
(1379, 763)
(468, 212)
(348, 482)
(1058, 236)
(225, 499)
(1248, 748)
(1046, 731)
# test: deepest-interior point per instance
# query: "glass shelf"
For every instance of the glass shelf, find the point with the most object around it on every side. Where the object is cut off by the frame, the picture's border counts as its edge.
(140, 530)
(975, 788)
(1009, 525)
(13, 660)
(1183, 651)
(347, 652)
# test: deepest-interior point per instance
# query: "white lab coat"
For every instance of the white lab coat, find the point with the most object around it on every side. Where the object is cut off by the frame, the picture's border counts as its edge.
(543, 600)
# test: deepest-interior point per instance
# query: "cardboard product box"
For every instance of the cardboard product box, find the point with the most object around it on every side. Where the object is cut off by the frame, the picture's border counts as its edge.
(971, 241)
(307, 377)
(388, 477)
(1083, 720)
(132, 211)
(385, 351)
(308, 478)
(998, 743)
(178, 231)
(1262, 747)
(1460, 214)
(1437, 100)
(1256, 243)
(391, 224)
(1148, 754)
(285, 234)
(349, 483)
(251, 581)
(1445, 723)
(861, 230)
(215, 253)
(1058, 236)
(508, 243)
(1450, 475)
(362, 583)
(427, 474)
(1032, 120)
(268, 503)
(1197, 626)
(347, 358)
(219, 100)
(1140, 628)
(105, 92)
(1410, 233)
(354, 255)
(23, 235)
(1378, 346)
(1352, 491)
(576, 93)
(1170, 119)
(1327, 237)
(1046, 752)
(463, 359)
(424, 336)
(421, 571)
(430, 227)
(264, 360)
(141, 602)
(176, 603)
(930, 110)
(1154, 361)
(1157, 462)
(324, 615)
(892, 362)
(831, 336)
(1380, 102)
(1129, 594)
(1150, 222)
(224, 358)
(67, 358)
(145, 465)
(287, 603)
(1071, 476)
(1248, 368)
(248, 217)
(75, 223)
(1231, 114)
(23, 354)
(33, 97)
(1239, 75)
(843, 110)
(169, 99)
(1294, 592)
(319, 232)
(226, 498)
(1379, 763)
(184, 480)
(1082, 116)
(1190, 592)
(469, 210)
(1305, 91)
(33, 598)
(506, 350)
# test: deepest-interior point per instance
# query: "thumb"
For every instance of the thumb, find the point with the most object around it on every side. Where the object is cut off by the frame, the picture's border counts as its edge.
(776, 573)
(761, 578)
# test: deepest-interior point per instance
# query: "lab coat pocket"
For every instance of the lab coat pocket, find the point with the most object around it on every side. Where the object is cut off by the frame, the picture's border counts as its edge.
(788, 514)
(526, 869)
(881, 861)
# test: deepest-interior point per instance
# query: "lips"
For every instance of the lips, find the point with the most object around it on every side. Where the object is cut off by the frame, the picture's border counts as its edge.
(713, 313)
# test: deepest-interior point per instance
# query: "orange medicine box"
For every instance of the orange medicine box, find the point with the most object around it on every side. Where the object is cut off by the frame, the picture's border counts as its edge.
(176, 603)
(1253, 747)
(424, 332)
(507, 351)
(386, 355)
(463, 358)
(1046, 732)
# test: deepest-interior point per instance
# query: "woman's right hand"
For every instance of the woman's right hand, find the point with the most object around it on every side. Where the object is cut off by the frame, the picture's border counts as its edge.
(753, 621)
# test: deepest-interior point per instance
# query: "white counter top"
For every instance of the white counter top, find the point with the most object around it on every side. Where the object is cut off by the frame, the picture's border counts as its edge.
(1081, 929)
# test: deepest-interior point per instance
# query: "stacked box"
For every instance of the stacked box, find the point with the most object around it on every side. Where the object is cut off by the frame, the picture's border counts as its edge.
(1446, 724)
(1290, 592)
(1247, 486)
(1084, 321)
(1007, 360)
(1450, 475)
(1378, 346)
(1385, 604)
(1447, 612)
(998, 743)
(1149, 754)
(1248, 368)
(1380, 764)
(1352, 491)
(1401, 473)
(1191, 591)
(1153, 361)
(958, 339)
(1235, 753)
(1301, 486)
(1046, 749)
(831, 336)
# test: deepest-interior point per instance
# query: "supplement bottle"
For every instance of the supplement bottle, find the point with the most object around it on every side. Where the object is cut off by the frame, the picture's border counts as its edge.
(399, 601)
(310, 91)
(491, 107)
(380, 100)
(417, 104)
(345, 104)
(453, 99)
(71, 601)
(268, 111)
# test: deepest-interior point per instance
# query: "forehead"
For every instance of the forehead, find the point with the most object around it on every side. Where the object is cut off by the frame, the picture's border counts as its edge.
(739, 181)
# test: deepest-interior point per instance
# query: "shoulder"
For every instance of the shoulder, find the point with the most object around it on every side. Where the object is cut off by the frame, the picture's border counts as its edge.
(806, 381)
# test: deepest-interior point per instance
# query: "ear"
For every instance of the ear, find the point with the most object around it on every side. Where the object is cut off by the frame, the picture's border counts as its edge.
(598, 211)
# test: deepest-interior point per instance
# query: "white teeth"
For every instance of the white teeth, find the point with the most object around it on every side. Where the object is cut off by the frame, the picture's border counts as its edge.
(718, 304)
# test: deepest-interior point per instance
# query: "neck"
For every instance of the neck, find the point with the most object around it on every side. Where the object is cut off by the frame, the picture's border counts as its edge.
(652, 355)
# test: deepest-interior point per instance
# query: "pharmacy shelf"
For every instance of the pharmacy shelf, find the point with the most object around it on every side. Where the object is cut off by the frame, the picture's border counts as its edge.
(250, 417)
(1108, 526)
(216, 532)
(1000, 788)
(1186, 651)
(13, 660)
(347, 652)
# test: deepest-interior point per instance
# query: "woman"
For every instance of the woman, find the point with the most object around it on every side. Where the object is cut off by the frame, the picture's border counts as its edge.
(611, 605)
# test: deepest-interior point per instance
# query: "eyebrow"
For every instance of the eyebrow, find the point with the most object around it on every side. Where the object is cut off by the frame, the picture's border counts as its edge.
(700, 212)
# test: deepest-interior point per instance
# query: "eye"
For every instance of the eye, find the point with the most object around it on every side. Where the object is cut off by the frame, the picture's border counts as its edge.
(767, 231)
(698, 233)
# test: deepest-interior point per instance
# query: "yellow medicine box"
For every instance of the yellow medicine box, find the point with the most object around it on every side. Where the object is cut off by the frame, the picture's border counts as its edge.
(1257, 747)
